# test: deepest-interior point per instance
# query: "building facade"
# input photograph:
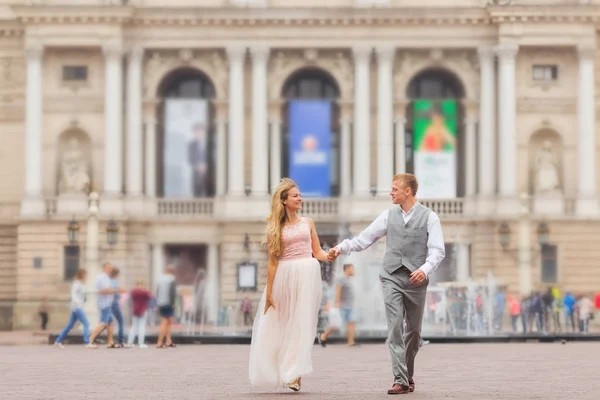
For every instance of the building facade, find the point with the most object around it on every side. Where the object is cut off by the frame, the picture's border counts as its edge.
(85, 106)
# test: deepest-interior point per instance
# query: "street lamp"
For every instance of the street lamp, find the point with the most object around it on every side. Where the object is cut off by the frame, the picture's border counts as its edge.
(112, 232)
(543, 232)
(504, 233)
(73, 231)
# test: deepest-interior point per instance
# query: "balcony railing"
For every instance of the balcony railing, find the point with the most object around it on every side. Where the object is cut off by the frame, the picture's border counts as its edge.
(185, 208)
(316, 208)
(446, 207)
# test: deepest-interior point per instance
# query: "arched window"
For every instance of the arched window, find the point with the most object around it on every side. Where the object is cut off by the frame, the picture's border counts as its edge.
(313, 84)
(436, 85)
(186, 142)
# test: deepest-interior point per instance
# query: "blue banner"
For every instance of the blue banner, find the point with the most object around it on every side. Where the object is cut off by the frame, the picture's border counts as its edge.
(310, 146)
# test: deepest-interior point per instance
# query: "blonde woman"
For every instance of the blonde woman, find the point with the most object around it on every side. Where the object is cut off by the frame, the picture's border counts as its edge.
(286, 320)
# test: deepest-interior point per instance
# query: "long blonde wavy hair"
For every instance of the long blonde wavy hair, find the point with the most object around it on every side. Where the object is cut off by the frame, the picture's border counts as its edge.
(276, 219)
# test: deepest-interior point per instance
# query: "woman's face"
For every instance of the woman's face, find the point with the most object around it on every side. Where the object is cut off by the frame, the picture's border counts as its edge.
(83, 277)
(294, 200)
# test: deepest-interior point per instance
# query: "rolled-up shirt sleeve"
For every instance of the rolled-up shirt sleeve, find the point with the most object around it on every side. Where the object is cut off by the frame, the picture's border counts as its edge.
(366, 238)
(436, 250)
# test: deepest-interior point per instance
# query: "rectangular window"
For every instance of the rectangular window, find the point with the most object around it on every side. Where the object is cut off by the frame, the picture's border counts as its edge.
(75, 73)
(545, 72)
(549, 263)
(71, 262)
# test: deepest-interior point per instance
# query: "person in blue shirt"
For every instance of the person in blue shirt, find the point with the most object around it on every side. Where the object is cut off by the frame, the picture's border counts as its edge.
(569, 308)
(116, 308)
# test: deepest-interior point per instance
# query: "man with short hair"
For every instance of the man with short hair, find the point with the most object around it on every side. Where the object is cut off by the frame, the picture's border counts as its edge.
(105, 296)
(166, 293)
(344, 302)
(414, 250)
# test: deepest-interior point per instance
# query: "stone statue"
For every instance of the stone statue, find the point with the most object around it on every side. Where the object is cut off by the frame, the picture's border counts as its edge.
(546, 174)
(74, 176)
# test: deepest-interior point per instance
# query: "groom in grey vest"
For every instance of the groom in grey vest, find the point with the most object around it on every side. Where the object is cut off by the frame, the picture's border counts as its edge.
(414, 249)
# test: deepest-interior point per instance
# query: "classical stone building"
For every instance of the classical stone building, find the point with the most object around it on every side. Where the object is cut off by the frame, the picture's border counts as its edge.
(84, 92)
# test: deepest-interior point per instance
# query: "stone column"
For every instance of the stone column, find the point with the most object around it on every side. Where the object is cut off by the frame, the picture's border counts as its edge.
(487, 137)
(260, 138)
(235, 172)
(212, 284)
(150, 168)
(92, 260)
(134, 122)
(158, 263)
(400, 144)
(275, 146)
(113, 130)
(33, 202)
(524, 248)
(345, 154)
(463, 262)
(385, 119)
(362, 123)
(221, 155)
(470, 151)
(587, 201)
(507, 128)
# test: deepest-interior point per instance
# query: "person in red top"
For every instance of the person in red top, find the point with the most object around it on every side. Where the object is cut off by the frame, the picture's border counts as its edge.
(514, 308)
(140, 296)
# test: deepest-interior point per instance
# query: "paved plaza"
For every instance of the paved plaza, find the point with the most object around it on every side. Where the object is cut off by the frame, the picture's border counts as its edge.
(475, 371)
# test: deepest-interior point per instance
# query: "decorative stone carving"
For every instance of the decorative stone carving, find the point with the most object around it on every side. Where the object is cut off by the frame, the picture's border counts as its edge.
(12, 73)
(462, 63)
(74, 175)
(338, 64)
(159, 64)
(546, 170)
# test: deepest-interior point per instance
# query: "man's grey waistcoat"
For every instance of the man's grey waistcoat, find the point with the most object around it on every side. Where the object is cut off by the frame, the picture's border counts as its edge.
(406, 245)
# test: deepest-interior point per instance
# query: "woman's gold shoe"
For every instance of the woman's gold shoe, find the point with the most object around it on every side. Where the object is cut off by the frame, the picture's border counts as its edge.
(295, 386)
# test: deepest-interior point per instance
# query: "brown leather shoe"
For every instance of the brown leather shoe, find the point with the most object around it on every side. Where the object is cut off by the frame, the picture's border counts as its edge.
(398, 389)
(411, 385)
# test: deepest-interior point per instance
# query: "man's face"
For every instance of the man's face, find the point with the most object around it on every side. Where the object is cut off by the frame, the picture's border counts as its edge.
(108, 268)
(399, 192)
(350, 270)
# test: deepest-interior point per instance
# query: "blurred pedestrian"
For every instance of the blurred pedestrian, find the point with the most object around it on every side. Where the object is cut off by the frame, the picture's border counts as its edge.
(105, 297)
(116, 308)
(140, 297)
(344, 304)
(166, 293)
(44, 311)
(569, 310)
(514, 309)
(246, 308)
(78, 298)
(585, 306)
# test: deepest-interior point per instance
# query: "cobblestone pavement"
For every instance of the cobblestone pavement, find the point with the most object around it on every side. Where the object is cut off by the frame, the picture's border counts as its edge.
(466, 371)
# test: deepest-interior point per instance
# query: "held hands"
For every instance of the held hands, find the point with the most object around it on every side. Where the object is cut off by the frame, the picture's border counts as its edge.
(269, 303)
(417, 277)
(333, 254)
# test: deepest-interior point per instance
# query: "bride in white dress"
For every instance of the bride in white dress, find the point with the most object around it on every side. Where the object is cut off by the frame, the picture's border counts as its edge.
(286, 320)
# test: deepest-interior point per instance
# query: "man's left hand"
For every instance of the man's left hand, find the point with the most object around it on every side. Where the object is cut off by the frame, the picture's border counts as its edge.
(417, 277)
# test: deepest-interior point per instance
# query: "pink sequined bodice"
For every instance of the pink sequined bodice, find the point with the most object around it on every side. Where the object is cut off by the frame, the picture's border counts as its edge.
(296, 241)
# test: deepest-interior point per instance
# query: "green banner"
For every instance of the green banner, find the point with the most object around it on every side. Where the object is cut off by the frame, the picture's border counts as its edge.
(434, 146)
(435, 125)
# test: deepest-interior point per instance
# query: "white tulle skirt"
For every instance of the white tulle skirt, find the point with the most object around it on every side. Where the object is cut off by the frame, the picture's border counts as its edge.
(282, 339)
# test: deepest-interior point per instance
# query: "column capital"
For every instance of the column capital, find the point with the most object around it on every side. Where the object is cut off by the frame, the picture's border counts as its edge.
(34, 51)
(471, 108)
(236, 52)
(507, 51)
(112, 50)
(136, 53)
(362, 52)
(486, 53)
(586, 51)
(385, 53)
(259, 52)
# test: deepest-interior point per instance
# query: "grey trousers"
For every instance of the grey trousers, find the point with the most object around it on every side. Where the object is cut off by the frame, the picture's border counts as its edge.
(403, 300)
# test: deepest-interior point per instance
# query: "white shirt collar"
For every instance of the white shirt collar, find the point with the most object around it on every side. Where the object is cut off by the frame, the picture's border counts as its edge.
(410, 211)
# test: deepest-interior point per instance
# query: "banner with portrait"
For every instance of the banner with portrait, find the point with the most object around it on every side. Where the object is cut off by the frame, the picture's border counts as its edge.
(310, 146)
(434, 147)
(186, 148)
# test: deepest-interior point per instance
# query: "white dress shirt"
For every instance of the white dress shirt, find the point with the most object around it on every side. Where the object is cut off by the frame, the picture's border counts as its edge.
(436, 250)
